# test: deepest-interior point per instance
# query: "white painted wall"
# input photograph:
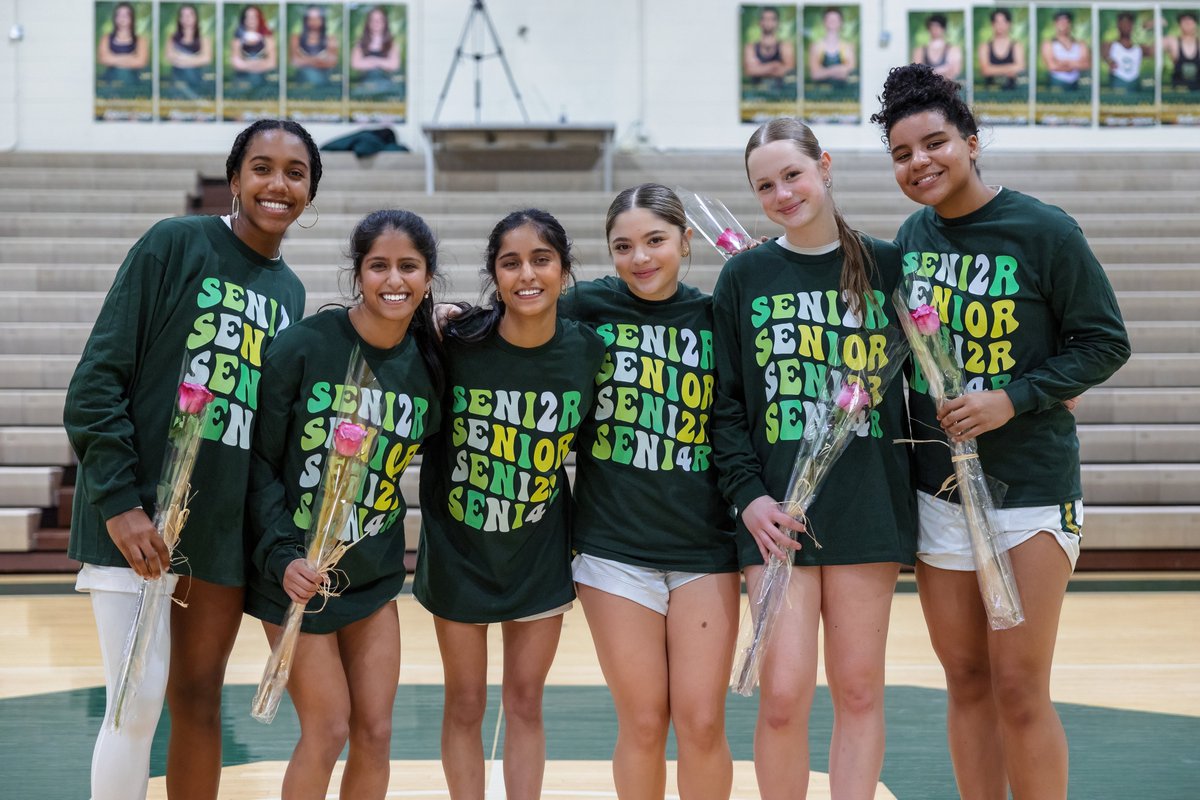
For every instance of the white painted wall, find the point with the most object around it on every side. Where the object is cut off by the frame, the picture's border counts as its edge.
(664, 71)
(8, 75)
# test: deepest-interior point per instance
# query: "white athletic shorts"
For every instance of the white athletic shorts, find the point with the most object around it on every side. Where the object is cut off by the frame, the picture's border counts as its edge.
(645, 586)
(942, 539)
(547, 614)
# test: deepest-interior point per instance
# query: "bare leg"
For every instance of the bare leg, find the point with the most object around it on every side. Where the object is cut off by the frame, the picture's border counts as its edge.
(370, 651)
(702, 621)
(317, 686)
(856, 606)
(529, 649)
(787, 682)
(1035, 745)
(202, 637)
(631, 645)
(464, 662)
(958, 628)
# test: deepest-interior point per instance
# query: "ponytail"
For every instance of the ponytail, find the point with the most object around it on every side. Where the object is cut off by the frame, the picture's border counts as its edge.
(858, 267)
(858, 264)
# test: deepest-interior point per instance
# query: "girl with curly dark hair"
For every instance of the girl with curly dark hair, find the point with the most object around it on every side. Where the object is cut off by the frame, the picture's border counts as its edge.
(1019, 288)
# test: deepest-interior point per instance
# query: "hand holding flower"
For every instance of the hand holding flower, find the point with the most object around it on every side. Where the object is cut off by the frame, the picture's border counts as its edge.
(301, 581)
(768, 525)
(975, 413)
(140, 543)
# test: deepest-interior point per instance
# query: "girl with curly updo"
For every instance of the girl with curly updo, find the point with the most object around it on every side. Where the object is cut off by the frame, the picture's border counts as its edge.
(1017, 284)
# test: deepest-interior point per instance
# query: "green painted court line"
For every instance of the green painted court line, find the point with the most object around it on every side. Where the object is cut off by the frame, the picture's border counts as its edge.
(18, 589)
(1115, 754)
(1135, 585)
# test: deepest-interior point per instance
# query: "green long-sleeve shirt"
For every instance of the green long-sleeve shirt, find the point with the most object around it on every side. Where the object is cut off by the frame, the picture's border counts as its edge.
(302, 397)
(495, 502)
(1031, 312)
(193, 302)
(646, 446)
(780, 325)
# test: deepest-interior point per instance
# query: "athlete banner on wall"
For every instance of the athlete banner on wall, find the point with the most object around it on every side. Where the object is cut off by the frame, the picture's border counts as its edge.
(315, 90)
(936, 38)
(1180, 75)
(378, 46)
(1000, 86)
(1126, 60)
(124, 88)
(831, 65)
(1064, 66)
(767, 62)
(250, 85)
(187, 64)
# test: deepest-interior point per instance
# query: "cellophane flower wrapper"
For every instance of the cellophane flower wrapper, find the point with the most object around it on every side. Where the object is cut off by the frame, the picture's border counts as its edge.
(342, 477)
(977, 494)
(170, 515)
(714, 222)
(842, 406)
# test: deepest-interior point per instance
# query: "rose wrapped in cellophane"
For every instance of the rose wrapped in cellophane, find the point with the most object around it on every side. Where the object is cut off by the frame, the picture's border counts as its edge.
(840, 412)
(977, 495)
(170, 515)
(328, 537)
(714, 222)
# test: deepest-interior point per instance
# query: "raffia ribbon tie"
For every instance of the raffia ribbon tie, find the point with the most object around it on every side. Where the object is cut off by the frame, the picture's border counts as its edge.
(796, 511)
(951, 483)
(338, 580)
(177, 517)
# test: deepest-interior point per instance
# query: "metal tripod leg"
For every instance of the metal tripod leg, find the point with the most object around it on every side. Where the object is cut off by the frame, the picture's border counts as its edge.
(478, 7)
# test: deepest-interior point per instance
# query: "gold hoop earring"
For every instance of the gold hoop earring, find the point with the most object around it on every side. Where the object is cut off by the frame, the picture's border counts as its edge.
(498, 300)
(316, 219)
(235, 209)
(687, 251)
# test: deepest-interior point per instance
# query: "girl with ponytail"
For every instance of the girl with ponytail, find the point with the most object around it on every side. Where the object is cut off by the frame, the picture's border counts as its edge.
(783, 312)
(659, 586)
(347, 663)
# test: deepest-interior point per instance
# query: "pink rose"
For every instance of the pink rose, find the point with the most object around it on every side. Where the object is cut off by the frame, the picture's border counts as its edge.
(193, 398)
(348, 438)
(925, 317)
(731, 241)
(853, 398)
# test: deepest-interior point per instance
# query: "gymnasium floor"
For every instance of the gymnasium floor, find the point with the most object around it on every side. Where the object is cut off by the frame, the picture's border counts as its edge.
(1126, 680)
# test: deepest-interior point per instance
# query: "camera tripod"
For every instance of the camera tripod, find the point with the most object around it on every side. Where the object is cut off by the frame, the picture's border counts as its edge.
(479, 22)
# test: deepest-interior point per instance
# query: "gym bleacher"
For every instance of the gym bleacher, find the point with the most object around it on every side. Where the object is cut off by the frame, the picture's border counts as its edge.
(67, 220)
